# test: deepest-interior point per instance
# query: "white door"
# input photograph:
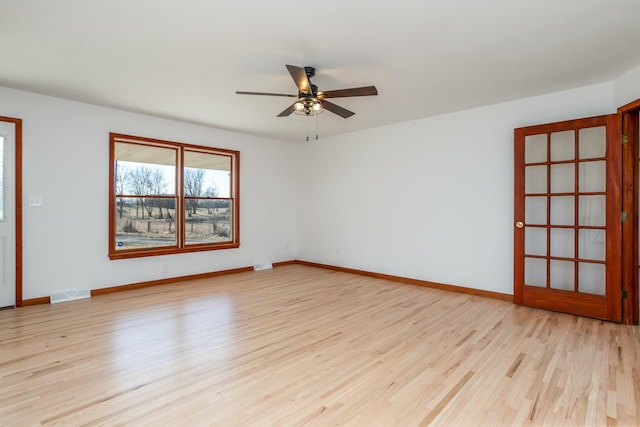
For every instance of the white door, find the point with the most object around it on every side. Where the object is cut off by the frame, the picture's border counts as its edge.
(7, 215)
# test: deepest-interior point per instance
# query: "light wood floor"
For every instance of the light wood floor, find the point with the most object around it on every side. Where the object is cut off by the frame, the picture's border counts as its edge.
(305, 346)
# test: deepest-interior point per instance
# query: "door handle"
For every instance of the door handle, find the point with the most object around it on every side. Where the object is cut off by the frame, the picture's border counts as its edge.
(519, 224)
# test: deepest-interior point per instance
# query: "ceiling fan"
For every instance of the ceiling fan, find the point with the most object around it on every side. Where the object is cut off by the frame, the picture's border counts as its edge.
(311, 101)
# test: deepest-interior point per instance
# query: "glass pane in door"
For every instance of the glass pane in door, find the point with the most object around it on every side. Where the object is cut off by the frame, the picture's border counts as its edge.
(535, 179)
(591, 244)
(535, 210)
(561, 275)
(535, 272)
(562, 210)
(592, 278)
(592, 210)
(535, 148)
(563, 178)
(592, 177)
(563, 146)
(562, 243)
(592, 142)
(535, 241)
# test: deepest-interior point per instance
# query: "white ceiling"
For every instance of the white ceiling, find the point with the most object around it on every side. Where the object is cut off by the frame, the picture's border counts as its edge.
(185, 59)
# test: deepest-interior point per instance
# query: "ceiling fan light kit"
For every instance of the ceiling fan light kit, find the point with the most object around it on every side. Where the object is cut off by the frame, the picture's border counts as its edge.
(310, 101)
(308, 106)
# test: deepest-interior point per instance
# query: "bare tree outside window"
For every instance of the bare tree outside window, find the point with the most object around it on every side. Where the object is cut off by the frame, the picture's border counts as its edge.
(193, 183)
(211, 192)
(138, 183)
(157, 186)
(122, 178)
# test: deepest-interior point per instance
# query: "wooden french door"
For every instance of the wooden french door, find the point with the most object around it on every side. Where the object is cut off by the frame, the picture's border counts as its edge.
(568, 217)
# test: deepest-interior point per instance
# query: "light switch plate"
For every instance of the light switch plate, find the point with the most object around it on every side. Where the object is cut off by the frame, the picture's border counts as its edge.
(35, 200)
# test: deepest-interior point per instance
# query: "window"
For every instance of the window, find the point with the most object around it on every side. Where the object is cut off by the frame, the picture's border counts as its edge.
(168, 197)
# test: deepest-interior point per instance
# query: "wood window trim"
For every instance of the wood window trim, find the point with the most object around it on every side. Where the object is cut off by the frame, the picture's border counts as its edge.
(181, 246)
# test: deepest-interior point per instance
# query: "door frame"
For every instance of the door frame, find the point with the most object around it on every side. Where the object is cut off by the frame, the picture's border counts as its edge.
(18, 203)
(628, 115)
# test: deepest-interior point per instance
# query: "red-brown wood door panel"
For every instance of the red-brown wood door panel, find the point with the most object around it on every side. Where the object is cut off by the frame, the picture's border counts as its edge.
(568, 217)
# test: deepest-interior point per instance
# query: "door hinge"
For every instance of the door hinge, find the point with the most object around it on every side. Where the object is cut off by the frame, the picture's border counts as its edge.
(624, 139)
(624, 216)
(624, 294)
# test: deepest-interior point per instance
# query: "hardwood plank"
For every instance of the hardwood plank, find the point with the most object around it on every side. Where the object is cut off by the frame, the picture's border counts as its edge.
(300, 345)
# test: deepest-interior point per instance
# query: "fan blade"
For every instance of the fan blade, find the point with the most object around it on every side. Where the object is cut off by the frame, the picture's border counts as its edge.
(288, 111)
(342, 112)
(240, 92)
(344, 93)
(300, 77)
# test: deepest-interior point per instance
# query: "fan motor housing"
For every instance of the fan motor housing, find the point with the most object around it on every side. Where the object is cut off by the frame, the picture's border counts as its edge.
(311, 71)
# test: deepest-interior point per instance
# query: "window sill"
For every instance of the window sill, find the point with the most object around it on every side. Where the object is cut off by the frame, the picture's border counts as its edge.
(139, 253)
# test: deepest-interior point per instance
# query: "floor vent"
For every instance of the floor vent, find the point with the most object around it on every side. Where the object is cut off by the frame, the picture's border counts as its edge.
(70, 295)
(262, 266)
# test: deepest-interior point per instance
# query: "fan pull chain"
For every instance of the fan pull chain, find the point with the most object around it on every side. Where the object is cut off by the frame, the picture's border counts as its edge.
(316, 127)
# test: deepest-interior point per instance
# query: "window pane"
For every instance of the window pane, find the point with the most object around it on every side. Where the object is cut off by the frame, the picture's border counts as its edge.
(207, 174)
(144, 170)
(143, 222)
(208, 221)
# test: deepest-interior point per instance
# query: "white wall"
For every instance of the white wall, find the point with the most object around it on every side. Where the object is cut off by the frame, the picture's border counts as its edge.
(627, 87)
(430, 199)
(66, 161)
